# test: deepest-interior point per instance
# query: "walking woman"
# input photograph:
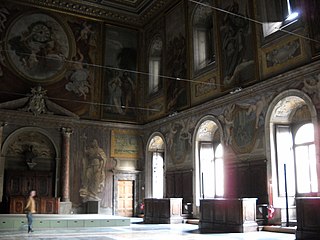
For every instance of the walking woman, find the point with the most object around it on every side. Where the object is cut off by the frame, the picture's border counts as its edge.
(30, 209)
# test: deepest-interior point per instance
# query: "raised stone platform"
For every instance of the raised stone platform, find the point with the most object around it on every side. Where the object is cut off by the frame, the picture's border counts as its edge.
(47, 221)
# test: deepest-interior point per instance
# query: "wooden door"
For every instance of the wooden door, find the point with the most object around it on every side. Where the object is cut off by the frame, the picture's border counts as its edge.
(125, 198)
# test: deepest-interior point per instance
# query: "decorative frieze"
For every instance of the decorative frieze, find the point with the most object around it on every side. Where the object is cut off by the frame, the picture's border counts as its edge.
(99, 10)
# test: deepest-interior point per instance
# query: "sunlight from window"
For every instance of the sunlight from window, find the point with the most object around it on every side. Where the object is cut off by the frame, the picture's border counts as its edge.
(157, 175)
(203, 40)
(154, 71)
(207, 170)
(291, 15)
(305, 134)
(200, 48)
(212, 170)
(155, 65)
(285, 157)
(306, 159)
(287, 16)
(219, 170)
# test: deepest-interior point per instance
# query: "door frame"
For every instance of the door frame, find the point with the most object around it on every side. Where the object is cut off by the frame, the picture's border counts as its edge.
(126, 176)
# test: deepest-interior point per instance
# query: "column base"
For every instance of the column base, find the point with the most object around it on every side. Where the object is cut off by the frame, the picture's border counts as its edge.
(65, 207)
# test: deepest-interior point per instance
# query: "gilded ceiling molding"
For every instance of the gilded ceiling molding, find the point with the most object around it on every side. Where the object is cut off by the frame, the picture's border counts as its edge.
(101, 11)
(92, 10)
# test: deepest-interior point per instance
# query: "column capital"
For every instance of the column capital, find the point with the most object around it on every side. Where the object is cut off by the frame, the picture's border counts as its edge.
(66, 131)
(2, 124)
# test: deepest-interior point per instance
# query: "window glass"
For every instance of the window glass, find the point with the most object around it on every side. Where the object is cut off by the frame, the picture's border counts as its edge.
(155, 65)
(278, 14)
(305, 134)
(203, 42)
(307, 180)
(211, 170)
(285, 160)
(157, 175)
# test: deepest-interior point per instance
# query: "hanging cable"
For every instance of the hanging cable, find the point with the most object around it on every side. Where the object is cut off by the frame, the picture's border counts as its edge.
(115, 68)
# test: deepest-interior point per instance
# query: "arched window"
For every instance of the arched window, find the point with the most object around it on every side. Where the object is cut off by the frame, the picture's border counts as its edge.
(209, 178)
(203, 40)
(155, 168)
(293, 153)
(155, 55)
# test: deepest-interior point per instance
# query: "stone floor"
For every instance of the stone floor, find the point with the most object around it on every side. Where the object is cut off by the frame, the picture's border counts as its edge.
(141, 231)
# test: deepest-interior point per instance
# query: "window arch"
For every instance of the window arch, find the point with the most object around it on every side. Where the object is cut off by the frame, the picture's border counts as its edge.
(155, 65)
(203, 39)
(209, 162)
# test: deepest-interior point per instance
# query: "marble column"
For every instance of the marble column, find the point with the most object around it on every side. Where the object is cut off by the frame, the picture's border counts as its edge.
(65, 164)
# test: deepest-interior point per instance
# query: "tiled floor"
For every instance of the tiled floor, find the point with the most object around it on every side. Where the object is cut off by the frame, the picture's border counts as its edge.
(141, 231)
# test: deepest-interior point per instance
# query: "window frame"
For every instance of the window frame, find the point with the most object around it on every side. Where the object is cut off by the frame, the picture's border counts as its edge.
(207, 28)
(156, 192)
(216, 181)
(155, 54)
(276, 27)
(293, 129)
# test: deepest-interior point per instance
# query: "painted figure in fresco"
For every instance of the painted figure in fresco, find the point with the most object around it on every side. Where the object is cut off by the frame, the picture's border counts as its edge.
(227, 119)
(38, 49)
(170, 135)
(78, 77)
(85, 32)
(185, 131)
(312, 87)
(258, 109)
(115, 93)
(127, 89)
(94, 164)
(177, 69)
(234, 31)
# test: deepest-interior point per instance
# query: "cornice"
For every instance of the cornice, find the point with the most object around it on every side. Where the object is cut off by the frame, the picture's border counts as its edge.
(276, 84)
(100, 12)
(85, 9)
(56, 121)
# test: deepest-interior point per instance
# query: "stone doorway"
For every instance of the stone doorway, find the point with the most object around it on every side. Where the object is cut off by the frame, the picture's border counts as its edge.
(125, 198)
